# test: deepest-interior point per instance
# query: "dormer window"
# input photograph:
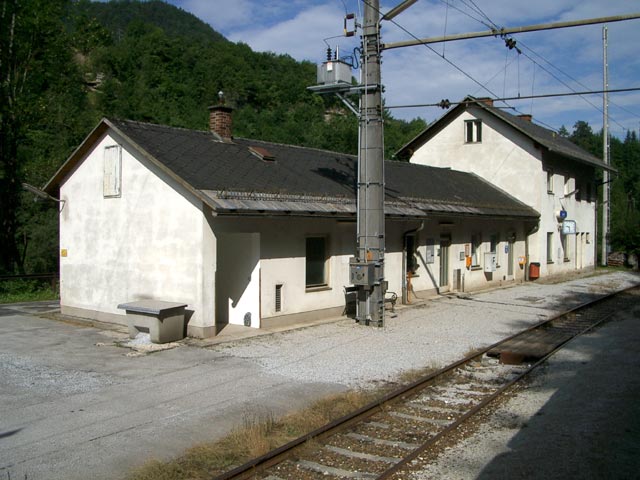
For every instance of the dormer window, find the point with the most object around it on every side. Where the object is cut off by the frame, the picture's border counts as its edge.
(472, 131)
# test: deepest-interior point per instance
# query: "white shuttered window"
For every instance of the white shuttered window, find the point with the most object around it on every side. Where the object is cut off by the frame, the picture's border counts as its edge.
(112, 171)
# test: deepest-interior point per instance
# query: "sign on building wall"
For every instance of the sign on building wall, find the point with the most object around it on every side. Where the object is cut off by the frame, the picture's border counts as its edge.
(430, 257)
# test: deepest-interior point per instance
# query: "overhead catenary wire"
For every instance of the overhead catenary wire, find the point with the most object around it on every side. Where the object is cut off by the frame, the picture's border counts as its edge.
(495, 31)
(469, 76)
(577, 81)
(494, 26)
(432, 50)
(525, 97)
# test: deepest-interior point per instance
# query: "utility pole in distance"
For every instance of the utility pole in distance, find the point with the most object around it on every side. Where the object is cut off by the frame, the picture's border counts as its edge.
(605, 152)
(367, 267)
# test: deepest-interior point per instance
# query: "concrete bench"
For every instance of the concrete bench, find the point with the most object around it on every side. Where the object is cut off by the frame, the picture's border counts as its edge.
(163, 320)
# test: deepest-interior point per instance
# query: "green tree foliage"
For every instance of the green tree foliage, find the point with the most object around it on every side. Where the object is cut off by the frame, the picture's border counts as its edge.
(625, 195)
(40, 110)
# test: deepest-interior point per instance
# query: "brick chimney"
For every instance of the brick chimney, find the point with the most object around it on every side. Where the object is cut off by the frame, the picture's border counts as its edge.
(526, 117)
(220, 120)
(486, 100)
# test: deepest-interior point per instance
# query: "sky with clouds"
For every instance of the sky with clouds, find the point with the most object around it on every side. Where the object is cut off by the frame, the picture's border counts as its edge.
(555, 61)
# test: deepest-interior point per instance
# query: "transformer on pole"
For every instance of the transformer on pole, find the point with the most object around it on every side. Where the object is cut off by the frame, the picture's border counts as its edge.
(366, 268)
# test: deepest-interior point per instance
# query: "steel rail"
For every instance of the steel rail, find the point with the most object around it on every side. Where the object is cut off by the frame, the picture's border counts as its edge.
(484, 403)
(253, 467)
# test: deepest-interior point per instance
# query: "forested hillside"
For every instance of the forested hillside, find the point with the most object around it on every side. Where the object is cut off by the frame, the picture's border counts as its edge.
(65, 64)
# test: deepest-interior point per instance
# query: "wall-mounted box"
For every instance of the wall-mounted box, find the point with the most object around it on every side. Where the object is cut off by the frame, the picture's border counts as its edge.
(490, 262)
(362, 273)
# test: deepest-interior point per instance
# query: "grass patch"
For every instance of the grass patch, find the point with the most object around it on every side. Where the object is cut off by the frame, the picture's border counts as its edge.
(256, 436)
(410, 376)
(32, 290)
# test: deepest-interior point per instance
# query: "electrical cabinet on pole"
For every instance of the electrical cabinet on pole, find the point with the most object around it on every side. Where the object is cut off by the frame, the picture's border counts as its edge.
(367, 267)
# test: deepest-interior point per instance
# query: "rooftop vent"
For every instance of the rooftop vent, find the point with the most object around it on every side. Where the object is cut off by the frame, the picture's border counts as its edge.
(263, 154)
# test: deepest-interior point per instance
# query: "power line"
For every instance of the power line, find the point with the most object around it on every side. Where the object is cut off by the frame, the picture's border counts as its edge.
(447, 103)
(492, 25)
(502, 32)
(508, 31)
(575, 80)
(432, 50)
(449, 4)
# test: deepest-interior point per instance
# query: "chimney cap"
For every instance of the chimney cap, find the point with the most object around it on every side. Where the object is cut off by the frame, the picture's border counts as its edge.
(220, 108)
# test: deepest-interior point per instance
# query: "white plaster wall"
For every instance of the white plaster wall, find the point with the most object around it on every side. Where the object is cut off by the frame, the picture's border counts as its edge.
(145, 244)
(238, 279)
(510, 161)
(282, 257)
(504, 158)
(282, 260)
(582, 212)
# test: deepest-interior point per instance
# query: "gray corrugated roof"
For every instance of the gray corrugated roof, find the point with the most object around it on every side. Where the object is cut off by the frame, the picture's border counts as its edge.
(543, 136)
(232, 179)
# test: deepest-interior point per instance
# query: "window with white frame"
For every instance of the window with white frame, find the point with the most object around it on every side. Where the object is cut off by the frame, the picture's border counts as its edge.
(549, 181)
(112, 173)
(472, 131)
(316, 261)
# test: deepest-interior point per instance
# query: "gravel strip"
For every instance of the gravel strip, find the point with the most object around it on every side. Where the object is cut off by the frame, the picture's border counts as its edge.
(430, 335)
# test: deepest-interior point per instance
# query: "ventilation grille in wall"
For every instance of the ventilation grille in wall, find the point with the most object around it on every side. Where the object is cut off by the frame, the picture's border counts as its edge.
(279, 298)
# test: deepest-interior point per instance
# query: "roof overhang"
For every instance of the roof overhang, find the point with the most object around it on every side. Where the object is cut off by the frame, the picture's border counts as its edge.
(268, 204)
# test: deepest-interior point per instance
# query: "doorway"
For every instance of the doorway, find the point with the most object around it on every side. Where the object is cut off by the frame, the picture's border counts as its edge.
(510, 258)
(445, 243)
(238, 280)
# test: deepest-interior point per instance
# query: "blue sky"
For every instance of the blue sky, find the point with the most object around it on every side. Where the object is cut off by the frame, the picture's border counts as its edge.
(555, 61)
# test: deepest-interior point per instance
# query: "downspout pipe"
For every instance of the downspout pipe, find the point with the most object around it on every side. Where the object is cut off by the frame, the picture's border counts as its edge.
(533, 230)
(405, 293)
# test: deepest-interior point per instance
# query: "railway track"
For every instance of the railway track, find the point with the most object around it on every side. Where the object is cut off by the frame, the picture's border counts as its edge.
(380, 439)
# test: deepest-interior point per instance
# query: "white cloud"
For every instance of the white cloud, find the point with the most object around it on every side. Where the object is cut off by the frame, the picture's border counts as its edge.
(301, 36)
(222, 15)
